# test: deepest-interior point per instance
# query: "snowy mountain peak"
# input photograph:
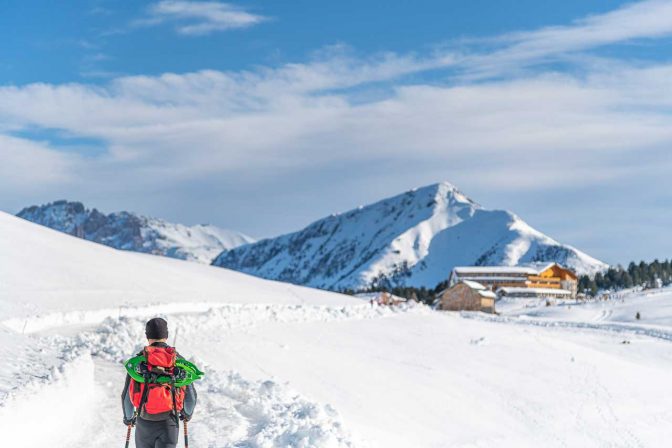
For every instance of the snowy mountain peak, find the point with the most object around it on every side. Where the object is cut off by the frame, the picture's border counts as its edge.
(414, 239)
(129, 231)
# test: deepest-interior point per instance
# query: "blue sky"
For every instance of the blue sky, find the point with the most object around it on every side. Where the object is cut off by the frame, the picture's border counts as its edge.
(84, 41)
(263, 116)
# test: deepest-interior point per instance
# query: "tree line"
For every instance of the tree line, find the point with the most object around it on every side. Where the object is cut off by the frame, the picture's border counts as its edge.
(647, 275)
(424, 295)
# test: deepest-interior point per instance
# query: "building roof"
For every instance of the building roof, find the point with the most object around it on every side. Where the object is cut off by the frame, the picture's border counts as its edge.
(529, 269)
(473, 285)
(539, 291)
(486, 278)
(480, 289)
(487, 293)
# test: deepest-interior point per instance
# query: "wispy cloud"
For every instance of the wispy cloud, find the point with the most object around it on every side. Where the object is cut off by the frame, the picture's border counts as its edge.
(209, 122)
(200, 17)
(648, 19)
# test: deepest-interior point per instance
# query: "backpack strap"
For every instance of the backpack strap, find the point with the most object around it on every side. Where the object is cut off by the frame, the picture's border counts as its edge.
(145, 392)
(172, 392)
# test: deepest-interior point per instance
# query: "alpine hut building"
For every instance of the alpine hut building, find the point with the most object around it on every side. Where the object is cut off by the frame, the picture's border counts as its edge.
(535, 280)
(467, 296)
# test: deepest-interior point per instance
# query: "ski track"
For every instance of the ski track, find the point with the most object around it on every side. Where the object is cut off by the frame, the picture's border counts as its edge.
(624, 328)
(232, 412)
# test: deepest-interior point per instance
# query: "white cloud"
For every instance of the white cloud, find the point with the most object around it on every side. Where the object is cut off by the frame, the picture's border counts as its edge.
(200, 17)
(646, 19)
(212, 122)
(32, 166)
(300, 123)
(641, 20)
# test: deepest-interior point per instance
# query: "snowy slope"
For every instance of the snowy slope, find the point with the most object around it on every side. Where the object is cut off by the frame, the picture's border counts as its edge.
(128, 231)
(289, 366)
(42, 270)
(412, 239)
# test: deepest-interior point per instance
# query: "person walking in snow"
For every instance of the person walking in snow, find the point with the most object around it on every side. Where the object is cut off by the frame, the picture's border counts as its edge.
(155, 408)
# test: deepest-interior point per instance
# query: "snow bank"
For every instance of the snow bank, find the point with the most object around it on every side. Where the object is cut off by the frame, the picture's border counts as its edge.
(49, 321)
(117, 338)
(238, 413)
(58, 403)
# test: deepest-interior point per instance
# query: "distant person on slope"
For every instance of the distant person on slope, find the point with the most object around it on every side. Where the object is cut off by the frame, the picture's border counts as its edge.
(155, 408)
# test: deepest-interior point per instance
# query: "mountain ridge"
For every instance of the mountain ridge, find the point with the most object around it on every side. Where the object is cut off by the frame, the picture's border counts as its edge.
(130, 231)
(411, 239)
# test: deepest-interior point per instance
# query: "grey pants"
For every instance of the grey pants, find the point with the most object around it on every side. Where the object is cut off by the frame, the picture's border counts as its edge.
(161, 434)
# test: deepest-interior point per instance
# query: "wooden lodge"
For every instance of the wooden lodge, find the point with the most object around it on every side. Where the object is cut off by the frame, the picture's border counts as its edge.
(540, 280)
(467, 296)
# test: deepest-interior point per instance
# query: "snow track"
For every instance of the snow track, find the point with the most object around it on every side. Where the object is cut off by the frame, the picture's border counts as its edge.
(612, 327)
(233, 412)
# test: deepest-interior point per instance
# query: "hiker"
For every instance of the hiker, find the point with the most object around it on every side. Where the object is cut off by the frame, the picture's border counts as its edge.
(156, 408)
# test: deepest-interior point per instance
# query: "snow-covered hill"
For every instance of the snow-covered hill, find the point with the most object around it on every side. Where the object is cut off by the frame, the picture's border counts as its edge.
(43, 271)
(412, 239)
(290, 366)
(129, 231)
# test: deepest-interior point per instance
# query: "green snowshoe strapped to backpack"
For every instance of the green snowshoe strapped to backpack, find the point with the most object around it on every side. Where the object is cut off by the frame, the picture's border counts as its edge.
(185, 372)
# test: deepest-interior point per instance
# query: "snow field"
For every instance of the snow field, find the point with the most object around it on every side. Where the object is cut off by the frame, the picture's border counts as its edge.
(232, 411)
(294, 367)
(437, 380)
(376, 376)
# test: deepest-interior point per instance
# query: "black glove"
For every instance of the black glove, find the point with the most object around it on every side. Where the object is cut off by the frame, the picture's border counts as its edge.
(130, 421)
(184, 416)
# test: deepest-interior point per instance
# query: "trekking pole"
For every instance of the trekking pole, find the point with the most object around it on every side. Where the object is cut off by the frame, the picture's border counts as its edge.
(128, 434)
(177, 331)
(186, 434)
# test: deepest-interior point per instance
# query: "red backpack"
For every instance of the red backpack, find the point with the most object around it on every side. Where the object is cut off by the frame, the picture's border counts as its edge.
(158, 398)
